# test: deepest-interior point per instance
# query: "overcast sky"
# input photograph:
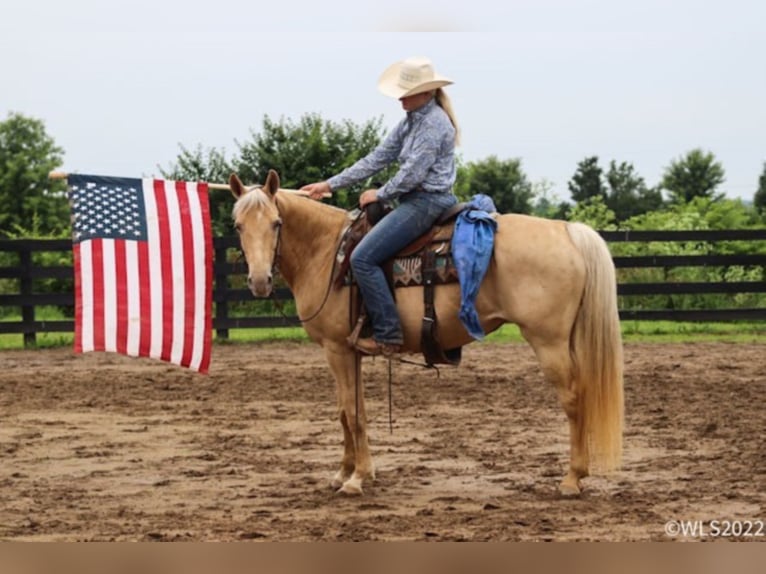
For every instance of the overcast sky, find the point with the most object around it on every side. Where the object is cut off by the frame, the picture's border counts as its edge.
(121, 85)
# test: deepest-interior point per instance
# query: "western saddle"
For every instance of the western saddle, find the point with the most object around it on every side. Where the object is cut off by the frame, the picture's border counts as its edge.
(427, 261)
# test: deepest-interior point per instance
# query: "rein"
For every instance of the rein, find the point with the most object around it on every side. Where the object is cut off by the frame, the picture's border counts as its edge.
(275, 270)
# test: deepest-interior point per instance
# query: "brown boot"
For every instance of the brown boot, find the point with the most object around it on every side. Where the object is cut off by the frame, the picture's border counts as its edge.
(370, 346)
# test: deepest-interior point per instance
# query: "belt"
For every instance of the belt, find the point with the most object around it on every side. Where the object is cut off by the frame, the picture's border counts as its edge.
(424, 190)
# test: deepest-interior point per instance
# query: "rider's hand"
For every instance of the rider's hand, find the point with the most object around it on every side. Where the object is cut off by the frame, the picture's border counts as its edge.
(317, 190)
(368, 196)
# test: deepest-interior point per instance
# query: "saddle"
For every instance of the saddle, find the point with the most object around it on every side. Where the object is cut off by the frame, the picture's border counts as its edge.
(425, 262)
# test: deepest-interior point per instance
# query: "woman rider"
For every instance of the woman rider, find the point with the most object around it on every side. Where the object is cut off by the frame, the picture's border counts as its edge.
(423, 143)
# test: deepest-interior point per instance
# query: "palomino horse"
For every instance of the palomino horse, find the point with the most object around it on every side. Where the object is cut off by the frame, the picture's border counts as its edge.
(554, 279)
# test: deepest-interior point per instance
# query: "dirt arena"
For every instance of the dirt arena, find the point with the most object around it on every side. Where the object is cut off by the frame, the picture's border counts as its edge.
(104, 447)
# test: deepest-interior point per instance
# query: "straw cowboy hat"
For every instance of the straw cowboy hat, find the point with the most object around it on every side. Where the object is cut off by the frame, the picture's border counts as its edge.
(409, 77)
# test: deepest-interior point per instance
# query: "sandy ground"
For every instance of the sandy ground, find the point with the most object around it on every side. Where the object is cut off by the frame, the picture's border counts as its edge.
(104, 447)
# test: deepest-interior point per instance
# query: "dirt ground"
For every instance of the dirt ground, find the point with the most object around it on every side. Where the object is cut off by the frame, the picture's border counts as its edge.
(105, 447)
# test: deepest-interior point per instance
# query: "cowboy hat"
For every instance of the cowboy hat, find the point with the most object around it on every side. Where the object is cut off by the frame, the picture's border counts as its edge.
(409, 77)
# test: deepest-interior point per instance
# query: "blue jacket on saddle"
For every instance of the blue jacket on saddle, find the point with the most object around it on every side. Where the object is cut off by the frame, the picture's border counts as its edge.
(472, 244)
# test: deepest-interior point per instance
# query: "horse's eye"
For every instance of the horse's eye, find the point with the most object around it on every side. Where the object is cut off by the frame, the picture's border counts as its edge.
(277, 224)
(238, 227)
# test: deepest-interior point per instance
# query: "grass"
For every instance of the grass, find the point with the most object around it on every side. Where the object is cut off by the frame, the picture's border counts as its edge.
(633, 332)
(679, 332)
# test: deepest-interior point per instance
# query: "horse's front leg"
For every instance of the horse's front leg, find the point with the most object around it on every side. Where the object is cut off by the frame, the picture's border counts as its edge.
(356, 466)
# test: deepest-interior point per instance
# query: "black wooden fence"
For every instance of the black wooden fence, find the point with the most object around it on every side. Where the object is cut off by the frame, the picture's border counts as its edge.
(27, 274)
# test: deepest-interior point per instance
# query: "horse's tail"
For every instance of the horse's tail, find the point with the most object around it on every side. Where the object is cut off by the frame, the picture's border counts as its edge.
(596, 348)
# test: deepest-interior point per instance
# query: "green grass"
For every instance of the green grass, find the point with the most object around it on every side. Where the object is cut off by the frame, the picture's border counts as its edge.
(633, 332)
(678, 332)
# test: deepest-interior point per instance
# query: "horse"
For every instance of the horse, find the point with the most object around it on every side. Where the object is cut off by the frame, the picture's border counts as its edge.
(554, 279)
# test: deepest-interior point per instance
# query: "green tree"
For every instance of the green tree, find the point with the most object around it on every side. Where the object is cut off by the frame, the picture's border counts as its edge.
(759, 200)
(628, 194)
(462, 187)
(587, 181)
(29, 198)
(697, 174)
(504, 181)
(594, 212)
(311, 149)
(546, 202)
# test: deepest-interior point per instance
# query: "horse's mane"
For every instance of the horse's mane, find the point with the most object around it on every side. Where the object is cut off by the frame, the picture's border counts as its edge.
(256, 197)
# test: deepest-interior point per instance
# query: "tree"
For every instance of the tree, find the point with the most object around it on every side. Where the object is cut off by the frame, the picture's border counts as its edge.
(759, 201)
(594, 212)
(546, 203)
(697, 174)
(29, 198)
(628, 194)
(503, 181)
(587, 181)
(462, 186)
(311, 149)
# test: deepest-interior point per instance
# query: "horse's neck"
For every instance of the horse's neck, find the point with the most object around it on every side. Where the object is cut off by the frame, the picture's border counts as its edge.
(310, 232)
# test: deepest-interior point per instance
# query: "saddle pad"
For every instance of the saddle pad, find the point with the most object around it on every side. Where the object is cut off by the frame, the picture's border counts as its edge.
(408, 271)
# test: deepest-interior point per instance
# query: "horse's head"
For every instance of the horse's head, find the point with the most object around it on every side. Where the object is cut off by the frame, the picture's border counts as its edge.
(257, 220)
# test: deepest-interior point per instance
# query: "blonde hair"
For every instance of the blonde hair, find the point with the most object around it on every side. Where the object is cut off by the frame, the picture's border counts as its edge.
(446, 104)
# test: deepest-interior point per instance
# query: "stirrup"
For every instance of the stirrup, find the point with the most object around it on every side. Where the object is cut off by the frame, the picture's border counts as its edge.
(370, 346)
(354, 336)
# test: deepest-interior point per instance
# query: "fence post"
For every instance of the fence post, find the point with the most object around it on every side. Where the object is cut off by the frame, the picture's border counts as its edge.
(221, 286)
(25, 290)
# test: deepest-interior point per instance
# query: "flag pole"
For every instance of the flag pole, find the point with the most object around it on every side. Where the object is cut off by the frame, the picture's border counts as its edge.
(217, 186)
(64, 175)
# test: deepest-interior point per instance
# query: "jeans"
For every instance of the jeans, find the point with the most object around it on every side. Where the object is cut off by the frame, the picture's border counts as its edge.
(416, 213)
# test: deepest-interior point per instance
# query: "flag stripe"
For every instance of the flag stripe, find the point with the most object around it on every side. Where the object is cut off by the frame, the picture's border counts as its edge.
(121, 286)
(165, 278)
(77, 259)
(189, 266)
(175, 228)
(133, 305)
(146, 305)
(197, 196)
(86, 332)
(154, 276)
(110, 294)
(207, 303)
(97, 294)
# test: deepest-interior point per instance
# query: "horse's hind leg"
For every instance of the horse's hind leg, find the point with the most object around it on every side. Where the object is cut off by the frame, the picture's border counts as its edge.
(558, 368)
(356, 465)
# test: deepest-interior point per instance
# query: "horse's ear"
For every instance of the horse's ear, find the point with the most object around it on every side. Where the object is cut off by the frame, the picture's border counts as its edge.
(272, 183)
(236, 186)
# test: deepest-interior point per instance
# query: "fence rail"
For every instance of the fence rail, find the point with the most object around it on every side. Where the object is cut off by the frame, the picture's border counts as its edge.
(25, 272)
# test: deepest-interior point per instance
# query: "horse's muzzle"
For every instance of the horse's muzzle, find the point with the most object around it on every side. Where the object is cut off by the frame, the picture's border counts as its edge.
(260, 286)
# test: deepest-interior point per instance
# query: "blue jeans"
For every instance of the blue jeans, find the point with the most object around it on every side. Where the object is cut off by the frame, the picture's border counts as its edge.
(416, 213)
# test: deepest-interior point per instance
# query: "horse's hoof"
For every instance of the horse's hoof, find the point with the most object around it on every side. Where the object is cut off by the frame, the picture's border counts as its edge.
(568, 490)
(352, 487)
(338, 480)
(349, 491)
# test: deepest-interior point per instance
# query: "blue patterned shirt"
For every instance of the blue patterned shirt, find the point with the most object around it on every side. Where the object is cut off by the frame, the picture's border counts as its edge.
(424, 145)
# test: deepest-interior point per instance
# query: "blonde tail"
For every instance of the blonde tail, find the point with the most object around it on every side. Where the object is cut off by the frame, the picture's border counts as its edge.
(596, 347)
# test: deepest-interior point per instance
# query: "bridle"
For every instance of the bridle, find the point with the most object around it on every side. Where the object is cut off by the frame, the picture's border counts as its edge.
(276, 257)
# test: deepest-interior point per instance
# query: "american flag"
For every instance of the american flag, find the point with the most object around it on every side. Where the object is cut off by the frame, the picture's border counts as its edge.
(143, 268)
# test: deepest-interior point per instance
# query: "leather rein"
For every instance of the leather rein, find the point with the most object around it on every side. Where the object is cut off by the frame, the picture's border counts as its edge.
(275, 271)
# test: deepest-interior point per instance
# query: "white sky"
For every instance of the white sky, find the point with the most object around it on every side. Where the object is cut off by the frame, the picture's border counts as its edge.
(120, 84)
